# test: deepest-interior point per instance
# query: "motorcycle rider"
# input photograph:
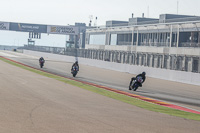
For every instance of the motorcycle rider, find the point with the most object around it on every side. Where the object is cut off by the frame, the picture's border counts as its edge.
(75, 65)
(41, 59)
(142, 75)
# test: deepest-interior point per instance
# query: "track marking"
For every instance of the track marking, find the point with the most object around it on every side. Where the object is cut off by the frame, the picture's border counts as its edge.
(8, 55)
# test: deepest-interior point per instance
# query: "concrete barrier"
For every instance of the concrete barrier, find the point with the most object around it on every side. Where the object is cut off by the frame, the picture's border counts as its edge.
(172, 75)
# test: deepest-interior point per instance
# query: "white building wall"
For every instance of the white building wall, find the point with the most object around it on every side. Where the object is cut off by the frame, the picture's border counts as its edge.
(148, 49)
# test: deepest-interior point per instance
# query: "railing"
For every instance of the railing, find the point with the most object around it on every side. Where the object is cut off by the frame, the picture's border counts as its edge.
(56, 50)
(187, 44)
(156, 44)
(119, 57)
(124, 43)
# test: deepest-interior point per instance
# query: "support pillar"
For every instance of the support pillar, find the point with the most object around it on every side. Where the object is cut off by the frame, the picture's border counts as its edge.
(97, 54)
(122, 57)
(199, 65)
(130, 58)
(190, 63)
(183, 63)
(137, 40)
(168, 62)
(132, 36)
(100, 55)
(111, 56)
(150, 60)
(199, 38)
(163, 61)
(92, 53)
(119, 57)
(173, 64)
(127, 58)
(108, 38)
(160, 62)
(87, 53)
(177, 37)
(146, 59)
(140, 60)
(134, 59)
(103, 55)
(156, 61)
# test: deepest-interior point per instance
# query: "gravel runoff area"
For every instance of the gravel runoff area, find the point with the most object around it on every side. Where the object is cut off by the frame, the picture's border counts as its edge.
(33, 103)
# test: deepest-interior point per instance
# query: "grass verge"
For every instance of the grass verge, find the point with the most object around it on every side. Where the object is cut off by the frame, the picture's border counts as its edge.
(120, 97)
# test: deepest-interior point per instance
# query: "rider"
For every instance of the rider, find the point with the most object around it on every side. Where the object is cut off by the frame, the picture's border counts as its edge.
(41, 59)
(75, 65)
(142, 75)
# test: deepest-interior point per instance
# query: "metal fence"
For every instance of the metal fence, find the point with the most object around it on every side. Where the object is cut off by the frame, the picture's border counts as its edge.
(163, 61)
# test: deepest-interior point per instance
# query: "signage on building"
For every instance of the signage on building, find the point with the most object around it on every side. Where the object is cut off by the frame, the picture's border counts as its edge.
(66, 30)
(4, 26)
(28, 27)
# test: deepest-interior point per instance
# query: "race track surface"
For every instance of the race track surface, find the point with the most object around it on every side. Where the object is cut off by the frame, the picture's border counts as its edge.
(173, 92)
(31, 103)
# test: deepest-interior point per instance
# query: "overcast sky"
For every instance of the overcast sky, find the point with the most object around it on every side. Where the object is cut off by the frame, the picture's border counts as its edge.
(63, 12)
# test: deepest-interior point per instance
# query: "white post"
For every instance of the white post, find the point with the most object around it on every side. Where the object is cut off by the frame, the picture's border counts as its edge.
(177, 37)
(132, 36)
(137, 41)
(170, 45)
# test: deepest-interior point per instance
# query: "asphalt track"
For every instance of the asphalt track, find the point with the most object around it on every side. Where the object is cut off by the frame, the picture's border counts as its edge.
(31, 103)
(173, 92)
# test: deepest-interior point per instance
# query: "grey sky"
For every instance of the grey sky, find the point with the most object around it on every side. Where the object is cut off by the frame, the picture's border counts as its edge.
(63, 12)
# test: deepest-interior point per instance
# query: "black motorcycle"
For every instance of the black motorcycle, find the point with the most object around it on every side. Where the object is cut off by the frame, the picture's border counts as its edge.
(137, 82)
(41, 63)
(74, 71)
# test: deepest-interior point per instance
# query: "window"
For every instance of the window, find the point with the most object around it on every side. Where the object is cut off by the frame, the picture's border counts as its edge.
(97, 39)
(113, 39)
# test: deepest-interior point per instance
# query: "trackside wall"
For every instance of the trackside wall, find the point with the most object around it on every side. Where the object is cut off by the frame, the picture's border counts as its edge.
(172, 75)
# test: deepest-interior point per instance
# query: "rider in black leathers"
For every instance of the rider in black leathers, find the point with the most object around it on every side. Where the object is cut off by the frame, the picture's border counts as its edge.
(139, 75)
(75, 64)
(41, 59)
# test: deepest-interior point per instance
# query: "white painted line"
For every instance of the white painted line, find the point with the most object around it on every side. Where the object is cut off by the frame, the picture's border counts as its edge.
(7, 55)
(24, 55)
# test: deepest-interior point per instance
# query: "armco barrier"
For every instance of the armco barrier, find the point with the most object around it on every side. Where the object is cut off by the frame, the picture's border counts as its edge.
(172, 75)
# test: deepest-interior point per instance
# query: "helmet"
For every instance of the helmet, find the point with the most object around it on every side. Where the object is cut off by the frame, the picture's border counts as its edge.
(143, 73)
(76, 62)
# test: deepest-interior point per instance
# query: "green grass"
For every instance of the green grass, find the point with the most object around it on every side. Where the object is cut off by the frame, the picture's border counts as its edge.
(120, 97)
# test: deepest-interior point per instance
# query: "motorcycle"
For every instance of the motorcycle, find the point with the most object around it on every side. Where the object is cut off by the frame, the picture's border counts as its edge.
(74, 71)
(137, 82)
(42, 63)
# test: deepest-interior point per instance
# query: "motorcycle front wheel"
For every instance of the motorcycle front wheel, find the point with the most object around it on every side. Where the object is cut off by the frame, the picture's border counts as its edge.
(130, 88)
(74, 75)
(135, 88)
